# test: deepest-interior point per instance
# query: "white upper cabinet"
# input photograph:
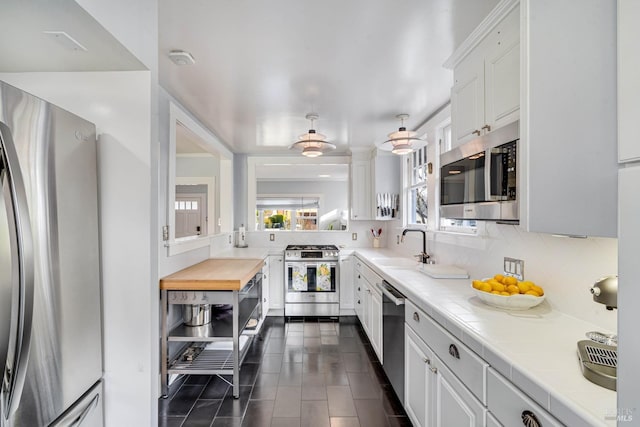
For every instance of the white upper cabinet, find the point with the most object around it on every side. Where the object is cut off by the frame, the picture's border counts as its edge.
(486, 90)
(373, 173)
(628, 81)
(568, 128)
(361, 191)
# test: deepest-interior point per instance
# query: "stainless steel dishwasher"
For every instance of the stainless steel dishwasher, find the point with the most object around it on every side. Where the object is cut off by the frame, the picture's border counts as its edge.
(393, 337)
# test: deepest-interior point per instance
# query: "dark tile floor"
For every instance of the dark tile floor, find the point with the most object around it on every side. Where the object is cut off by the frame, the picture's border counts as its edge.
(297, 373)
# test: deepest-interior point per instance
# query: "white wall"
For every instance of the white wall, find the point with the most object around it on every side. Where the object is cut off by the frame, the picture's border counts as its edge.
(362, 229)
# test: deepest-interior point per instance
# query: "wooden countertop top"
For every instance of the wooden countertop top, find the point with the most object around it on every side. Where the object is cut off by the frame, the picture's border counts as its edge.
(213, 275)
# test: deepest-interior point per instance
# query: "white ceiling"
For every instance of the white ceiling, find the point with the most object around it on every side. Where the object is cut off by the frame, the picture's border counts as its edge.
(261, 66)
(24, 47)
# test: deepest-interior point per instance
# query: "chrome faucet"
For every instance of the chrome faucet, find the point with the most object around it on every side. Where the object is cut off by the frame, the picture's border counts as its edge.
(423, 256)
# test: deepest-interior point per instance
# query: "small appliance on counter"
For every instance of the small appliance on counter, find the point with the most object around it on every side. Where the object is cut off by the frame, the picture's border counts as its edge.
(241, 237)
(598, 355)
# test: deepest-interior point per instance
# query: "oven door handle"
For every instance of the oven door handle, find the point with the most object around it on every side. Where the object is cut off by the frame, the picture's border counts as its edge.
(396, 299)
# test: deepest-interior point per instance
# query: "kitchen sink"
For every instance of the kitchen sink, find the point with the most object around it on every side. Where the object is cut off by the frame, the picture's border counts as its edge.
(395, 262)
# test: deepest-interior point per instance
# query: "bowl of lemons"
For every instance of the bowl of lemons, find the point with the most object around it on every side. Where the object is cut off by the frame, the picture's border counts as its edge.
(508, 292)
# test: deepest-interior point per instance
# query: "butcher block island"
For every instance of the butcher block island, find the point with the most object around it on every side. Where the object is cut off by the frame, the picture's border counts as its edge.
(214, 275)
(221, 302)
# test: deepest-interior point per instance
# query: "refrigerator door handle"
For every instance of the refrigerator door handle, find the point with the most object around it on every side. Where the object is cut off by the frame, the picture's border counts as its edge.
(23, 274)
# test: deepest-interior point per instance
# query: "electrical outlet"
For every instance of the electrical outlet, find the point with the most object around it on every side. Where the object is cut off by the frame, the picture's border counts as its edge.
(229, 238)
(272, 237)
(354, 236)
(397, 239)
(514, 267)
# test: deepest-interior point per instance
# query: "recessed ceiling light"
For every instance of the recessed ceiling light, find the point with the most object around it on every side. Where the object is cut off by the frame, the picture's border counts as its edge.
(181, 57)
(324, 176)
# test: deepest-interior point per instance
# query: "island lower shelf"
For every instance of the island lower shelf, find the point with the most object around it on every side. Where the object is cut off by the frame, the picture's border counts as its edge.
(214, 358)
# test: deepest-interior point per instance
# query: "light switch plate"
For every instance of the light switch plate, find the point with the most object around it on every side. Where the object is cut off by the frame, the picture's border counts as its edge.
(354, 236)
(272, 237)
(514, 267)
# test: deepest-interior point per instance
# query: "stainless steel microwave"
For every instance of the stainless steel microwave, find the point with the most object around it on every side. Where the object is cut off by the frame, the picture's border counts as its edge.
(479, 179)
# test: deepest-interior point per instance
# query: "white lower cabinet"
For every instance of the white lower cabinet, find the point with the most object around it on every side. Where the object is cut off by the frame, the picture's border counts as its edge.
(266, 297)
(375, 325)
(433, 395)
(368, 304)
(276, 282)
(512, 407)
(418, 380)
(347, 283)
(455, 404)
(491, 421)
(437, 393)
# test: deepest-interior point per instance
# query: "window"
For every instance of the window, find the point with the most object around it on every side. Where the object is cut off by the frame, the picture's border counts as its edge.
(287, 213)
(416, 187)
(447, 224)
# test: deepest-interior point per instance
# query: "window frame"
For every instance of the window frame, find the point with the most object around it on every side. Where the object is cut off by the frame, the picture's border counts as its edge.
(409, 171)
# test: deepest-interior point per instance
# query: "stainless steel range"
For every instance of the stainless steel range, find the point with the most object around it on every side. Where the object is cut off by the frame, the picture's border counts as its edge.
(311, 280)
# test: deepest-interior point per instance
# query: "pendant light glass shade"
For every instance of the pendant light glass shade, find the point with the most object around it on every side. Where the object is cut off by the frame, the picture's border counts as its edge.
(312, 144)
(402, 141)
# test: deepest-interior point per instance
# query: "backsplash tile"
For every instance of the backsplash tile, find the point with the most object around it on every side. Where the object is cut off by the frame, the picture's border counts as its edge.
(565, 267)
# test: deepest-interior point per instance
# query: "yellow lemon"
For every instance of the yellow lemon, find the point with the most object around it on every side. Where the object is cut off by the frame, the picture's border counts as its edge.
(537, 289)
(497, 286)
(524, 287)
(513, 289)
(485, 287)
(477, 283)
(495, 292)
(499, 277)
(510, 280)
(534, 293)
(506, 294)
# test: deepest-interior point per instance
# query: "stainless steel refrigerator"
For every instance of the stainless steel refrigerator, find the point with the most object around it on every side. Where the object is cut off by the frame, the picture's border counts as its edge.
(50, 295)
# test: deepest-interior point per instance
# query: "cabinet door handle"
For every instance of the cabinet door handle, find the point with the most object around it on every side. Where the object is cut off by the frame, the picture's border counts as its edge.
(358, 276)
(434, 370)
(358, 301)
(416, 317)
(529, 419)
(358, 288)
(369, 290)
(487, 127)
(476, 132)
(453, 351)
(264, 300)
(427, 361)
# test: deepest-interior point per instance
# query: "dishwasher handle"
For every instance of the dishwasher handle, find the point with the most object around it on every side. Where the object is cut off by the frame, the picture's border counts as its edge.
(392, 293)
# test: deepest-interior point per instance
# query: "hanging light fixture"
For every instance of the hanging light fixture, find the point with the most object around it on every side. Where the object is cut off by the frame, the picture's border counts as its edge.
(402, 141)
(312, 144)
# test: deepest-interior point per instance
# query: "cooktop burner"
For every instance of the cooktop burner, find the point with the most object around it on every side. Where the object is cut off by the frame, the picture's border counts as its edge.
(312, 248)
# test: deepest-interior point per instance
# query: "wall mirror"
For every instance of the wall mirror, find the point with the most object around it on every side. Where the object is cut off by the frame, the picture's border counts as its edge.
(200, 176)
(298, 194)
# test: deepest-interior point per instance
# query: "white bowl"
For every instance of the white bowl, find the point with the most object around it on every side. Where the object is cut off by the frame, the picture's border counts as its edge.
(512, 302)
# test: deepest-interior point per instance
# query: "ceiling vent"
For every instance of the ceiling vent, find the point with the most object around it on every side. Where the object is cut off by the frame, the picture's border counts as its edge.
(181, 57)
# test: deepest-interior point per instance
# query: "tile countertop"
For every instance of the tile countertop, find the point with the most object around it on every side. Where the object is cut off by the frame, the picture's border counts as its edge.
(536, 349)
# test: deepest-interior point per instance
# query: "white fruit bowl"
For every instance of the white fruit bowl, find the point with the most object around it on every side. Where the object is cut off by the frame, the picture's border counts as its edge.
(512, 302)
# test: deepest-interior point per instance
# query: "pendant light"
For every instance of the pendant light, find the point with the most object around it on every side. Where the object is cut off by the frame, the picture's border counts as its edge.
(312, 144)
(402, 141)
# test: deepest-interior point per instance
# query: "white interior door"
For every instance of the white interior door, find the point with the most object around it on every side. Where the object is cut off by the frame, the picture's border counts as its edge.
(191, 214)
